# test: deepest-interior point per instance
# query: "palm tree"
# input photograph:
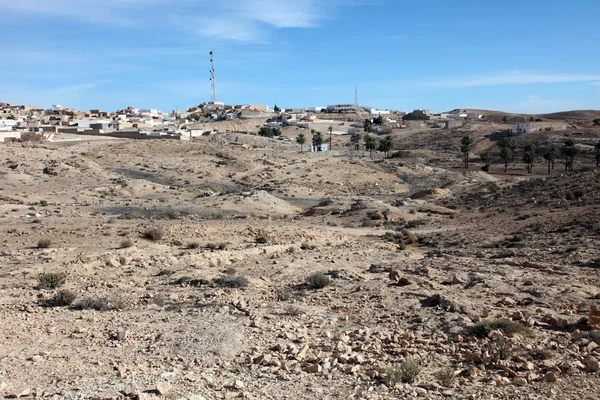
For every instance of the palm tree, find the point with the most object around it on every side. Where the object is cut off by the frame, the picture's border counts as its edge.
(485, 157)
(553, 154)
(367, 125)
(550, 156)
(317, 139)
(504, 152)
(385, 145)
(465, 147)
(355, 140)
(330, 132)
(512, 146)
(370, 144)
(301, 139)
(569, 151)
(597, 154)
(529, 157)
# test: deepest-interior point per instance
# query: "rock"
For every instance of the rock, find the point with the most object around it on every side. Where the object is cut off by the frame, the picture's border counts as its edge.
(239, 385)
(550, 377)
(21, 393)
(263, 359)
(507, 301)
(372, 374)
(394, 276)
(591, 363)
(163, 388)
(3, 386)
(113, 263)
(197, 397)
(517, 316)
(594, 317)
(456, 280)
(519, 382)
(121, 334)
(313, 368)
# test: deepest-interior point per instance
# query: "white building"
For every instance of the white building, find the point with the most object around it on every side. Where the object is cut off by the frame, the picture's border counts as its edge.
(57, 107)
(523, 127)
(316, 109)
(341, 108)
(375, 111)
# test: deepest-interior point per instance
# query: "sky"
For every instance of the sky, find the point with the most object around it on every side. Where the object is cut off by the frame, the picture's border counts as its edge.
(530, 56)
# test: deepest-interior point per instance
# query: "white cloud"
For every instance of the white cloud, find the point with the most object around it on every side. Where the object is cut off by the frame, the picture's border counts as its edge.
(237, 20)
(509, 78)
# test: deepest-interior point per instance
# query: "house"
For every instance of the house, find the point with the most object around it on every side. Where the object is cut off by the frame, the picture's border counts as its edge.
(316, 109)
(341, 108)
(315, 149)
(522, 127)
(375, 111)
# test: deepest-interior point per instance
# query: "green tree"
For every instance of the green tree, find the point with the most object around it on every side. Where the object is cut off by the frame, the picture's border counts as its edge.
(378, 120)
(301, 139)
(276, 109)
(317, 139)
(370, 144)
(368, 126)
(385, 145)
(485, 158)
(597, 154)
(465, 147)
(355, 140)
(504, 152)
(330, 129)
(550, 156)
(529, 157)
(570, 150)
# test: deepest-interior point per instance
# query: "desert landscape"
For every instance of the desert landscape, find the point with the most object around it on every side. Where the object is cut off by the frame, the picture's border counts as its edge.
(235, 266)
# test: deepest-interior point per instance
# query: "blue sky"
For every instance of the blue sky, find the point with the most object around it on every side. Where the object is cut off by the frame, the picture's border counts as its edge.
(529, 56)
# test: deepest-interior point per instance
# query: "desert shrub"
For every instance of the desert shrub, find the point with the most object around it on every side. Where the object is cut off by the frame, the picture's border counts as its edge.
(578, 193)
(261, 240)
(308, 246)
(63, 298)
(540, 354)
(375, 215)
(119, 303)
(399, 154)
(51, 280)
(318, 281)
(193, 245)
(44, 243)
(222, 246)
(153, 234)
(170, 214)
(126, 243)
(406, 372)
(228, 281)
(231, 271)
(91, 304)
(290, 250)
(445, 377)
(293, 311)
(43, 203)
(499, 348)
(484, 328)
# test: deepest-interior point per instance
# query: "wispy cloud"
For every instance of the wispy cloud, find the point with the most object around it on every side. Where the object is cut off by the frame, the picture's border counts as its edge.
(508, 78)
(237, 20)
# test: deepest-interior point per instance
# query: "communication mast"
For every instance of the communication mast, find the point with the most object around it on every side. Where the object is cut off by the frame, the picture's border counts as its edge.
(213, 81)
(356, 97)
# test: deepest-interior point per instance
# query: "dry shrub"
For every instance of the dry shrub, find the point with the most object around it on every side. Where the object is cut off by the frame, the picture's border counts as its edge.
(318, 281)
(51, 280)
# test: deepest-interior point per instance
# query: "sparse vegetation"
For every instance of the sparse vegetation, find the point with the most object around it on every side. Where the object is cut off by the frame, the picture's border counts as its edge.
(229, 281)
(97, 304)
(51, 280)
(63, 298)
(126, 243)
(445, 377)
(193, 245)
(153, 234)
(405, 372)
(484, 328)
(44, 244)
(318, 281)
(261, 240)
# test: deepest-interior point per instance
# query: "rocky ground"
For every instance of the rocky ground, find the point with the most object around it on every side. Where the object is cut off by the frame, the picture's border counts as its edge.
(235, 267)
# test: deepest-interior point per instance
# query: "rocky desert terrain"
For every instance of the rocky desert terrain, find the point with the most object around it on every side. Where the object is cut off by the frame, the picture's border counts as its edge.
(234, 266)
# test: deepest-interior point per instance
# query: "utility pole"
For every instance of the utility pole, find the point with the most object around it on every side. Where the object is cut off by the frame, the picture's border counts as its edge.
(212, 77)
(356, 98)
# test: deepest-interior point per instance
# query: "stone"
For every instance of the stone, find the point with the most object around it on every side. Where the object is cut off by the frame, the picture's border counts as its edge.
(313, 368)
(594, 317)
(163, 388)
(121, 334)
(239, 385)
(22, 393)
(113, 263)
(517, 316)
(519, 382)
(550, 377)
(591, 363)
(197, 397)
(3, 386)
(456, 280)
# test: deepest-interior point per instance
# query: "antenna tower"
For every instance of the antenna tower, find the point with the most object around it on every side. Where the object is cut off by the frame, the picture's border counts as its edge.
(356, 97)
(213, 82)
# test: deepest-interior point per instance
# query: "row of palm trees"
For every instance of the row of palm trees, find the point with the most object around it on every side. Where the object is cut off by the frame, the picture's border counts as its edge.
(508, 147)
(384, 145)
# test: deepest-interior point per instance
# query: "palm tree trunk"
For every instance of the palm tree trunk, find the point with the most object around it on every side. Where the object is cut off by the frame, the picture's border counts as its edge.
(505, 164)
(549, 163)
